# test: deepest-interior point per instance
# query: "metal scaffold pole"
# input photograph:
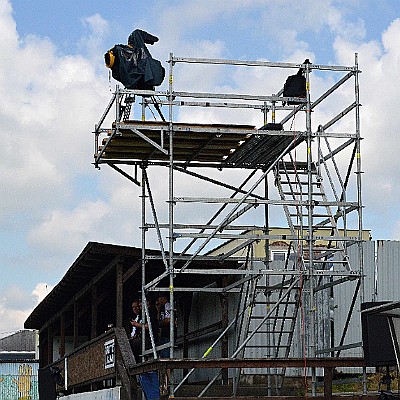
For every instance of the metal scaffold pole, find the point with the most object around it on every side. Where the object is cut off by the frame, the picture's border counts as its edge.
(171, 221)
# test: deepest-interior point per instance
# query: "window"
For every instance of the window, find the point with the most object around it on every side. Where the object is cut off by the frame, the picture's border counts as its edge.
(278, 255)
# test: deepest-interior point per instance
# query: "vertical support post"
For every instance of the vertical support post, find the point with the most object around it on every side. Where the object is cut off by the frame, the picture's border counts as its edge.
(273, 112)
(186, 306)
(359, 198)
(266, 213)
(49, 346)
(328, 377)
(310, 241)
(359, 173)
(144, 231)
(117, 104)
(267, 278)
(225, 323)
(171, 216)
(265, 112)
(93, 332)
(94, 313)
(119, 300)
(62, 335)
(144, 103)
(76, 325)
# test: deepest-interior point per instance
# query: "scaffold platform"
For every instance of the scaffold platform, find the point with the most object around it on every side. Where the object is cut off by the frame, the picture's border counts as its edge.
(212, 145)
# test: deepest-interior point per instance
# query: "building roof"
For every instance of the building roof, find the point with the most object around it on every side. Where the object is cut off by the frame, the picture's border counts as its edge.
(93, 259)
(22, 341)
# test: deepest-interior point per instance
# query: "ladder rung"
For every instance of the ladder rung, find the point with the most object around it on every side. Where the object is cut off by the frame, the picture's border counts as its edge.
(328, 261)
(268, 303)
(304, 193)
(281, 346)
(305, 215)
(329, 250)
(294, 182)
(296, 171)
(305, 227)
(275, 317)
(277, 332)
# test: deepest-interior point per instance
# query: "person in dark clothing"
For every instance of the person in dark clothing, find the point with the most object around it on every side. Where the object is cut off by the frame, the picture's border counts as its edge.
(138, 325)
(164, 318)
(134, 330)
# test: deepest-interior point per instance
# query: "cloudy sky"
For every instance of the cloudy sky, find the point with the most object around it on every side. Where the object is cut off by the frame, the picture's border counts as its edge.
(55, 87)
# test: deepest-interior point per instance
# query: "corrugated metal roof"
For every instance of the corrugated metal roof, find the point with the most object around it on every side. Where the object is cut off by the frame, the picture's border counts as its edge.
(21, 341)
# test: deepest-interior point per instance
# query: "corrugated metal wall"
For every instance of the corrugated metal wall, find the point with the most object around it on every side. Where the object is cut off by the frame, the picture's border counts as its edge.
(388, 267)
(381, 266)
(343, 297)
(19, 380)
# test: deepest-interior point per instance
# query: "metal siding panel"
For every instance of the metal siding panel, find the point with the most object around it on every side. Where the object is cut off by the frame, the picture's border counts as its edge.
(388, 263)
(343, 294)
(206, 310)
(19, 380)
(343, 297)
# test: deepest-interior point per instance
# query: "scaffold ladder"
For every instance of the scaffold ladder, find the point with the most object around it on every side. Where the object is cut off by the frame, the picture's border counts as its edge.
(272, 304)
(297, 182)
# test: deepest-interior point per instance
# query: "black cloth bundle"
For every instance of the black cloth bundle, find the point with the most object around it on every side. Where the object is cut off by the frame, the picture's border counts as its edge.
(133, 65)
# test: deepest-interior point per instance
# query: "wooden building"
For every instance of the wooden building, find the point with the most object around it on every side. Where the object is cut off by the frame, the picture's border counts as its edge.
(83, 345)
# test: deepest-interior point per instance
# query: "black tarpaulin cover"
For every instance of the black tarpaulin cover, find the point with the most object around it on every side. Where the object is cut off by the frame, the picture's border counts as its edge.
(133, 65)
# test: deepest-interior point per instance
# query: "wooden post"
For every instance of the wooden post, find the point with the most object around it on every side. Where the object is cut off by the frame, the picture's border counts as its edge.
(186, 306)
(328, 377)
(119, 301)
(76, 325)
(49, 345)
(93, 331)
(62, 335)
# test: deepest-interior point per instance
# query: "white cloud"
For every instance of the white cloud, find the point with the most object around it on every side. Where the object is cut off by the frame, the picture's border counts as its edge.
(16, 305)
(41, 291)
(8, 27)
(11, 320)
(380, 88)
(92, 45)
(46, 121)
(68, 231)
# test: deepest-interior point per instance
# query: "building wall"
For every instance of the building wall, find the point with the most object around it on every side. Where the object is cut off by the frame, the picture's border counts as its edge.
(380, 267)
(387, 268)
(19, 380)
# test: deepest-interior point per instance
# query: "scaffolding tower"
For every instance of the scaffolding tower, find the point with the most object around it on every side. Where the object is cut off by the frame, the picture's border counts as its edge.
(224, 185)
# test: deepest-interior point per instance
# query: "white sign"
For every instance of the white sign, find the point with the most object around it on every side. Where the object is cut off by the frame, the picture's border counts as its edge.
(109, 354)
(105, 394)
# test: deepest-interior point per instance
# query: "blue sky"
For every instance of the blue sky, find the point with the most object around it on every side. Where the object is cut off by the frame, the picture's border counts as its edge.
(55, 87)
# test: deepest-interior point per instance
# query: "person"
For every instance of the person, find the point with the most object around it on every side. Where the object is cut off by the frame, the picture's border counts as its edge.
(134, 326)
(164, 319)
(137, 326)
(153, 317)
